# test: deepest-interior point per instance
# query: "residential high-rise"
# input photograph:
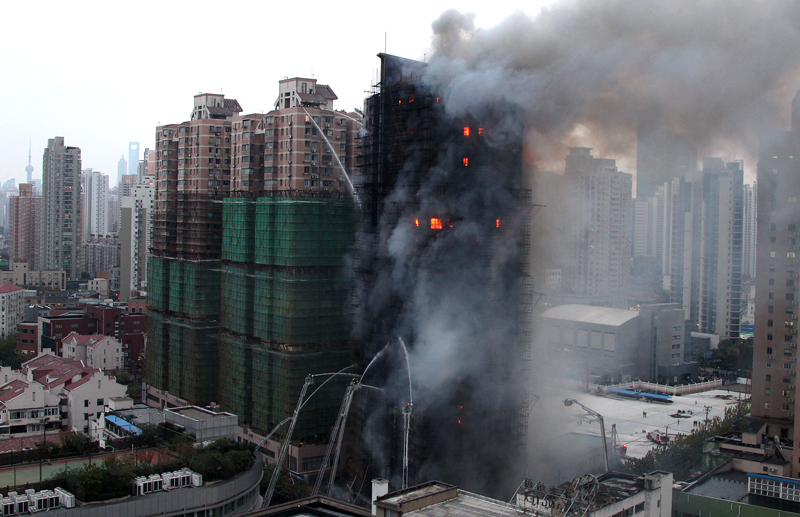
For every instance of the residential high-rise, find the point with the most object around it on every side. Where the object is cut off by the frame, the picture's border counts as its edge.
(441, 260)
(600, 237)
(286, 232)
(7, 191)
(286, 226)
(183, 270)
(720, 267)
(133, 157)
(95, 203)
(122, 169)
(750, 201)
(136, 215)
(25, 225)
(63, 213)
(777, 264)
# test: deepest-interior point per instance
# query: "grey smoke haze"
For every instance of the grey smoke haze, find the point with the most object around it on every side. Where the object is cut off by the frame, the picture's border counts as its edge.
(719, 72)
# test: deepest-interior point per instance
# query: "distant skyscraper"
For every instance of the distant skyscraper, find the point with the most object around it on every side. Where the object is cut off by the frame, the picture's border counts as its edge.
(775, 396)
(136, 214)
(63, 213)
(133, 157)
(749, 243)
(661, 155)
(95, 203)
(601, 234)
(122, 169)
(721, 252)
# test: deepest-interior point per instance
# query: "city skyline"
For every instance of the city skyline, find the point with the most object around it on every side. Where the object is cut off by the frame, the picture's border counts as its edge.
(43, 109)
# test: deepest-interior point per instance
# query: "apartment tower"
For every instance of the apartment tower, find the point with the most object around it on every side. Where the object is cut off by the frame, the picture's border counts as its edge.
(25, 224)
(192, 177)
(63, 211)
(95, 203)
(602, 227)
(777, 266)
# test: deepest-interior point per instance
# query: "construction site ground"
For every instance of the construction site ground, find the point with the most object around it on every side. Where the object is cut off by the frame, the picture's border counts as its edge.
(635, 418)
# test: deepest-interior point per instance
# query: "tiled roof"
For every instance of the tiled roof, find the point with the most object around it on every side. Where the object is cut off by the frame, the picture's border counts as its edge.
(9, 288)
(326, 91)
(83, 339)
(12, 390)
(53, 371)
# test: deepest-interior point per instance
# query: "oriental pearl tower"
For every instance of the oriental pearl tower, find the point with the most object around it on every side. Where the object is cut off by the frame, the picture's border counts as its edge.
(29, 167)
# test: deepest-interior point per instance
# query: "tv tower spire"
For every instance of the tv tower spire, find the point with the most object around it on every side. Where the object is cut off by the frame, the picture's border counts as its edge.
(29, 168)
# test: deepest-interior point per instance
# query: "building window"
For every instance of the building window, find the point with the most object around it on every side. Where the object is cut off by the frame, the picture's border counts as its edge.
(767, 391)
(769, 378)
(769, 323)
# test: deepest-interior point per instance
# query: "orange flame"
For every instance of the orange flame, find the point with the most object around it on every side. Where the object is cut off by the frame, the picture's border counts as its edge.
(480, 130)
(466, 130)
(466, 162)
(436, 224)
(416, 222)
(459, 420)
(498, 223)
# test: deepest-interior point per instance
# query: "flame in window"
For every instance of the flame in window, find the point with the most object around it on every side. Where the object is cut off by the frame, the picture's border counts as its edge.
(498, 223)
(416, 222)
(466, 162)
(480, 130)
(466, 130)
(436, 224)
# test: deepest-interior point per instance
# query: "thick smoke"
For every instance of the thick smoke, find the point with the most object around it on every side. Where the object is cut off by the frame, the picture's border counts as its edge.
(581, 73)
(718, 72)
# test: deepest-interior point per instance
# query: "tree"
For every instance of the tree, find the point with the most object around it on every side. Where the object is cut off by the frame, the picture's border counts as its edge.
(683, 455)
(8, 352)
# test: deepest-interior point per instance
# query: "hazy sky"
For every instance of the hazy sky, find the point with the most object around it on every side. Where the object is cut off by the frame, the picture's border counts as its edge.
(102, 74)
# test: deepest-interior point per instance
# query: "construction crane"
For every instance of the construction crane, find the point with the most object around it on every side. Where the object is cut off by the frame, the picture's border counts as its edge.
(406, 428)
(301, 401)
(338, 431)
(569, 402)
(285, 446)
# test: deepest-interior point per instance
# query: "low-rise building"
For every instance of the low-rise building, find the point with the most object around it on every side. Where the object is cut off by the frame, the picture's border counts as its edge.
(19, 274)
(12, 304)
(608, 495)
(602, 344)
(95, 351)
(204, 424)
(83, 391)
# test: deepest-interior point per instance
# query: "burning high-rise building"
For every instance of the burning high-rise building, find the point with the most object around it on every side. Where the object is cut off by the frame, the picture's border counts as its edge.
(441, 261)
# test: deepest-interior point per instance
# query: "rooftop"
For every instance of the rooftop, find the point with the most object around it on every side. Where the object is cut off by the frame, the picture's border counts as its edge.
(198, 413)
(9, 288)
(590, 314)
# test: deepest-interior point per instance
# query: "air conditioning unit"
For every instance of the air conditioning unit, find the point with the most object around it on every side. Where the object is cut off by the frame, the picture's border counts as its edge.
(791, 399)
(290, 121)
(791, 414)
(338, 137)
(327, 124)
(772, 358)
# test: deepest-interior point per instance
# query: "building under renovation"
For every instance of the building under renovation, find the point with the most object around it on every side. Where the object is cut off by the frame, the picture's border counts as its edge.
(441, 261)
(267, 304)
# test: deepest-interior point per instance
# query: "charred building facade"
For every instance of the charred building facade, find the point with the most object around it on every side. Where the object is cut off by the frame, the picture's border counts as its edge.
(441, 261)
